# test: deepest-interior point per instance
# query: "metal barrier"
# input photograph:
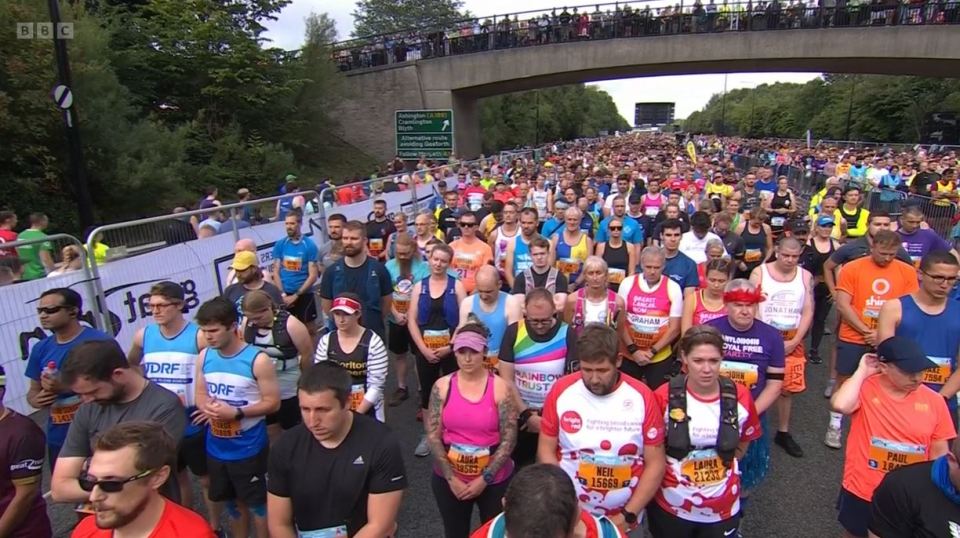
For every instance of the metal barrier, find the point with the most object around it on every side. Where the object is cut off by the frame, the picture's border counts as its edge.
(84, 270)
(938, 213)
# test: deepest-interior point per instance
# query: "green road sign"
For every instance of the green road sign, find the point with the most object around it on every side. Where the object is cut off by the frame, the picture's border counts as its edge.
(427, 133)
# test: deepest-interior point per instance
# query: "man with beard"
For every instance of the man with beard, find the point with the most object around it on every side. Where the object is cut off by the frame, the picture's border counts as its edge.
(379, 228)
(112, 392)
(294, 271)
(332, 250)
(517, 257)
(249, 278)
(59, 310)
(358, 273)
(617, 464)
(130, 464)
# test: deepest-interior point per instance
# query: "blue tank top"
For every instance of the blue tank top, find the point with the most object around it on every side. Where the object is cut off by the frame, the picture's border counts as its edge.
(495, 321)
(521, 256)
(938, 335)
(170, 363)
(231, 380)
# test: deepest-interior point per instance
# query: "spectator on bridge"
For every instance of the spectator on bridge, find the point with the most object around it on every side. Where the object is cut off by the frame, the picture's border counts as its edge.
(72, 261)
(8, 221)
(178, 230)
(36, 256)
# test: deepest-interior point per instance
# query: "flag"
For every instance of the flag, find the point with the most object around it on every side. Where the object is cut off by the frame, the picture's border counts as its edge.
(692, 151)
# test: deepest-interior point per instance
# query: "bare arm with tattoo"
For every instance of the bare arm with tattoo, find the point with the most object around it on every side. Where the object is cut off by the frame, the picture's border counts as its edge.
(507, 415)
(435, 427)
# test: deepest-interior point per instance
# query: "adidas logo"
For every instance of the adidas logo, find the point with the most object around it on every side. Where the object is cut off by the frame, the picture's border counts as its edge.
(358, 461)
(254, 479)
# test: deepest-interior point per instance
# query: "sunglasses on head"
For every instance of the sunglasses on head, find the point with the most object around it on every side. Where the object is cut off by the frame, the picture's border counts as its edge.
(110, 486)
(50, 309)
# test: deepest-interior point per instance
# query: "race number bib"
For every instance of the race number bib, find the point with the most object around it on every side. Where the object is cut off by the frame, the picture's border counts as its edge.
(741, 372)
(375, 246)
(468, 460)
(64, 411)
(463, 263)
(436, 339)
(225, 428)
(357, 392)
(886, 455)
(871, 318)
(491, 362)
(615, 276)
(939, 374)
(645, 330)
(703, 468)
(777, 221)
(293, 263)
(651, 211)
(752, 255)
(339, 531)
(568, 266)
(604, 473)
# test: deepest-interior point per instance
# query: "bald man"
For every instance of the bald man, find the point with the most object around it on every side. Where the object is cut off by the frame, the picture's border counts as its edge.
(494, 308)
(245, 244)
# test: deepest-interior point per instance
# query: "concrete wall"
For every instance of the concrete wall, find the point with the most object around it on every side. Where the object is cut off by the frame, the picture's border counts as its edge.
(457, 82)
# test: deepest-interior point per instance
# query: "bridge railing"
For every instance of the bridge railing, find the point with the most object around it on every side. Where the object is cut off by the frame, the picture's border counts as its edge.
(623, 20)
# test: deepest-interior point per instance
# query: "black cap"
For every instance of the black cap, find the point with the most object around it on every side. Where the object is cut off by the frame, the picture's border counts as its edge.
(906, 354)
(635, 198)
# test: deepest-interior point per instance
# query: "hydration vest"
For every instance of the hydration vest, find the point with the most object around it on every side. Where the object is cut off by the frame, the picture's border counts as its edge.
(579, 310)
(551, 284)
(678, 422)
(282, 348)
(451, 307)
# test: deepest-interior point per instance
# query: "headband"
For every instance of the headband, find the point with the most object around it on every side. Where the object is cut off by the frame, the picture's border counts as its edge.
(471, 340)
(744, 296)
(346, 302)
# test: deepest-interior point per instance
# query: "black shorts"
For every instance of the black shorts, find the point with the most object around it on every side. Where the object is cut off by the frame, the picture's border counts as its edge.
(193, 454)
(848, 357)
(288, 415)
(304, 308)
(242, 480)
(398, 338)
(663, 523)
(853, 513)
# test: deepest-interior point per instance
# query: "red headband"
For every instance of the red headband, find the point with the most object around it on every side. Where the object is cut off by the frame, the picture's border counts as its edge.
(744, 296)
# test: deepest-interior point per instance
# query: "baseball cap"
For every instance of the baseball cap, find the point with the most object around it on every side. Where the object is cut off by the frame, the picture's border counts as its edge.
(825, 220)
(170, 290)
(290, 177)
(243, 192)
(243, 260)
(345, 305)
(905, 354)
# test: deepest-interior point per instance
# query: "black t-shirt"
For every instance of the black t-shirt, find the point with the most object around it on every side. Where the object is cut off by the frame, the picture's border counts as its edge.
(329, 487)
(539, 281)
(447, 219)
(907, 504)
(923, 180)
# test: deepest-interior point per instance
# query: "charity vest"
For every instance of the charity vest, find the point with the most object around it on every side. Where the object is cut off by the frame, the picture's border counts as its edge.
(648, 315)
(231, 380)
(537, 365)
(496, 323)
(170, 363)
(784, 303)
(521, 256)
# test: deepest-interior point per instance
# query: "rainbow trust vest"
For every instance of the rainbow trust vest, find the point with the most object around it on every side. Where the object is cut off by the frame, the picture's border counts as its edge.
(231, 380)
(537, 365)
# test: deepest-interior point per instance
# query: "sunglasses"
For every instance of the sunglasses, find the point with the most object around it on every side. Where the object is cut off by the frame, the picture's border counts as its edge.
(50, 309)
(467, 224)
(110, 486)
(615, 228)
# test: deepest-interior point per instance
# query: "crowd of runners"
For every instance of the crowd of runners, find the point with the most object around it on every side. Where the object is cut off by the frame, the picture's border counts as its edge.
(602, 341)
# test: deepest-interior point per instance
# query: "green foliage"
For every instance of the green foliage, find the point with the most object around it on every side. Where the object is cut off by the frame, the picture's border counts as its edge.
(374, 17)
(565, 112)
(880, 108)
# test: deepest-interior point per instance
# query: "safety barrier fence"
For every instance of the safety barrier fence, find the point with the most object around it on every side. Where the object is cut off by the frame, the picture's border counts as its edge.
(623, 20)
(859, 144)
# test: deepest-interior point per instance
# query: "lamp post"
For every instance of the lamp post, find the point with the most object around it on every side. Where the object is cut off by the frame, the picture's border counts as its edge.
(853, 88)
(723, 105)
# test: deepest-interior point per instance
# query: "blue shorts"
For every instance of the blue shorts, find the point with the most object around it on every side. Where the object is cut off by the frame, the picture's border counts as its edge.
(853, 513)
(848, 357)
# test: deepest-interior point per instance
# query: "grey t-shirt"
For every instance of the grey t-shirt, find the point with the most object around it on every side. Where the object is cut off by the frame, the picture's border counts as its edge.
(329, 252)
(235, 293)
(859, 248)
(155, 404)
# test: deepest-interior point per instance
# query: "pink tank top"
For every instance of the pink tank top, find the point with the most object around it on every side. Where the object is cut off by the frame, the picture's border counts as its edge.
(701, 314)
(648, 314)
(471, 432)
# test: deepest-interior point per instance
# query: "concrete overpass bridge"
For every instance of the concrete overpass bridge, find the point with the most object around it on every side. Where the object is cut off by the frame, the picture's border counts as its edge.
(457, 81)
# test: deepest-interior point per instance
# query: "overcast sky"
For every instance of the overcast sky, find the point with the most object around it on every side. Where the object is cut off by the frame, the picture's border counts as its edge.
(689, 92)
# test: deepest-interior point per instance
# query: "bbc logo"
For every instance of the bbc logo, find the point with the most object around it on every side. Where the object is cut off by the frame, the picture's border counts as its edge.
(44, 30)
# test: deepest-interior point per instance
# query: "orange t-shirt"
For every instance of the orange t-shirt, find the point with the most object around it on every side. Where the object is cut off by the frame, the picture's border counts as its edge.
(869, 286)
(176, 521)
(467, 259)
(887, 433)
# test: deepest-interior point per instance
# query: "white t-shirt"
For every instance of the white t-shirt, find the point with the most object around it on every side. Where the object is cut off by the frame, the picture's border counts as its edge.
(694, 247)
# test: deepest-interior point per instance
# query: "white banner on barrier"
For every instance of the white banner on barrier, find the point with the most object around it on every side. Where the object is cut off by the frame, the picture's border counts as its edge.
(200, 266)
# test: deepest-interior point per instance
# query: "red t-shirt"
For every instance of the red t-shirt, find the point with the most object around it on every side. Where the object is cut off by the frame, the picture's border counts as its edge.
(176, 522)
(7, 236)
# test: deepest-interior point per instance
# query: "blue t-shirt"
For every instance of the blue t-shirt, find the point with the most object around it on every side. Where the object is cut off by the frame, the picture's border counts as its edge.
(767, 186)
(632, 231)
(295, 260)
(682, 270)
(46, 351)
(551, 227)
(752, 352)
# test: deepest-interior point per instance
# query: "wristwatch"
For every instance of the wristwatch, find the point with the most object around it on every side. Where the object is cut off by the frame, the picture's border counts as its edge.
(628, 516)
(240, 414)
(488, 478)
(633, 348)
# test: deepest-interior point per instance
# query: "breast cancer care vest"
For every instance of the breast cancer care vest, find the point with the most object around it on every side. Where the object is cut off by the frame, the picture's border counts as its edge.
(648, 314)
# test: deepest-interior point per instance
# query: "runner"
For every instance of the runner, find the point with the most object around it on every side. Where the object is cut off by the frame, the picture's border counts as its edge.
(112, 392)
(694, 242)
(406, 269)
(287, 343)
(59, 310)
(517, 257)
(621, 257)
(379, 228)
(242, 390)
(504, 236)
(357, 458)
(856, 217)
(23, 512)
(493, 308)
(929, 318)
(425, 229)
(653, 304)
(707, 303)
(753, 355)
(594, 302)
(249, 278)
(781, 207)
(713, 250)
(535, 352)
(865, 284)
(542, 274)
(819, 249)
(733, 244)
(788, 308)
(130, 464)
(632, 232)
(294, 271)
(472, 429)
(710, 422)
(677, 265)
(571, 248)
(470, 253)
(540, 198)
(757, 241)
(541, 501)
(895, 421)
(166, 353)
(919, 241)
(615, 460)
(436, 302)
(401, 229)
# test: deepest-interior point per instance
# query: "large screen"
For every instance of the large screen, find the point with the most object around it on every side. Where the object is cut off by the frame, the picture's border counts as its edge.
(653, 114)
